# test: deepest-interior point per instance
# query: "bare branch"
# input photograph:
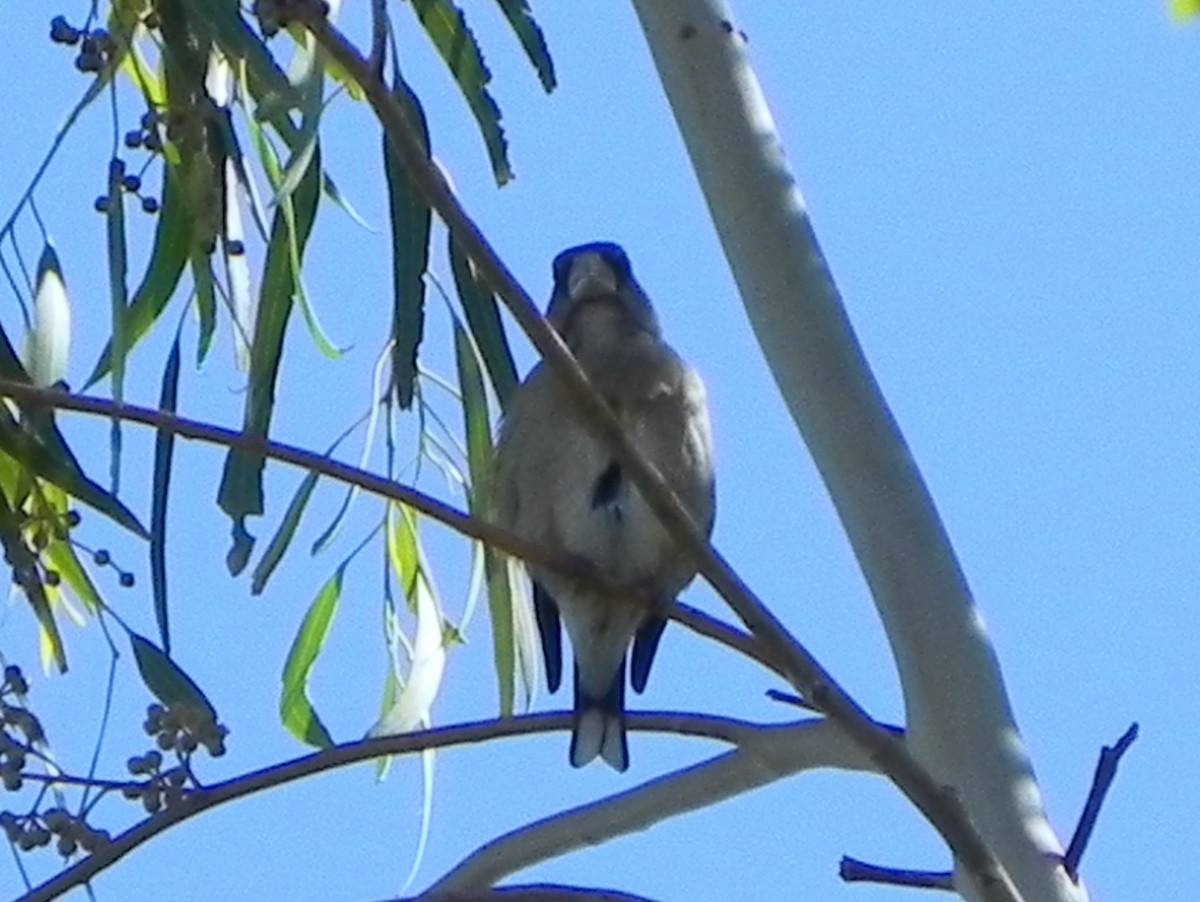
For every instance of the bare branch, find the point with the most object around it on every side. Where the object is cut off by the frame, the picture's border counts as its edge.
(854, 871)
(1106, 772)
(765, 755)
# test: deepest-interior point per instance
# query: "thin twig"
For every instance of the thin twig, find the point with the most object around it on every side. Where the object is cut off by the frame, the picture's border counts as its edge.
(854, 871)
(1106, 771)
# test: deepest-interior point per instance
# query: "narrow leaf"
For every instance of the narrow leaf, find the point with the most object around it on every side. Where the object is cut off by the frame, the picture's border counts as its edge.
(164, 452)
(410, 219)
(529, 33)
(241, 491)
(479, 457)
(295, 709)
(483, 319)
(446, 26)
(279, 543)
(119, 296)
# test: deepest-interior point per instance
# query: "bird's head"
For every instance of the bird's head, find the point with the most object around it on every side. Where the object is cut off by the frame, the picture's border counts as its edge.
(596, 298)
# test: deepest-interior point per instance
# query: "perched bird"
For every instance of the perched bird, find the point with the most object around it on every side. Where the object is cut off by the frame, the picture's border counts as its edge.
(557, 484)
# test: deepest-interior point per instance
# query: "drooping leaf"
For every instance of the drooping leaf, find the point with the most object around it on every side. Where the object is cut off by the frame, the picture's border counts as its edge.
(283, 536)
(420, 675)
(446, 26)
(25, 572)
(164, 453)
(48, 457)
(165, 679)
(479, 461)
(529, 33)
(118, 265)
(241, 492)
(295, 708)
(483, 319)
(410, 220)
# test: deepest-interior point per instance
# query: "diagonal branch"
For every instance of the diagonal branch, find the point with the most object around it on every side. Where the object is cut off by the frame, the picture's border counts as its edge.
(474, 527)
(939, 805)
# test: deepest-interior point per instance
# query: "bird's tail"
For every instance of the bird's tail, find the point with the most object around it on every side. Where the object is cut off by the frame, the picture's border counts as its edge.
(599, 728)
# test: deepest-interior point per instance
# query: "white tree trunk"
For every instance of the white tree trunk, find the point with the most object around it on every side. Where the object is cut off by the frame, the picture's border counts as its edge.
(959, 723)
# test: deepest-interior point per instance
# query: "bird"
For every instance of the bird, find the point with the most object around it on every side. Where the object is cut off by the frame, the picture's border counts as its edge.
(557, 484)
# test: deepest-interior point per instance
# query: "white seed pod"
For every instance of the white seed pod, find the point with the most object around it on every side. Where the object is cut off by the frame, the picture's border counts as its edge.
(48, 344)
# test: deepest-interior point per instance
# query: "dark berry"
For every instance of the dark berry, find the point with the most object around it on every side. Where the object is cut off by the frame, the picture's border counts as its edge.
(133, 139)
(62, 32)
(73, 518)
(102, 557)
(101, 204)
(126, 580)
(235, 248)
(150, 205)
(131, 183)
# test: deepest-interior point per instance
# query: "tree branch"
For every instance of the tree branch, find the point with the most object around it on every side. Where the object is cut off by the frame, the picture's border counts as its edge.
(764, 756)
(719, 728)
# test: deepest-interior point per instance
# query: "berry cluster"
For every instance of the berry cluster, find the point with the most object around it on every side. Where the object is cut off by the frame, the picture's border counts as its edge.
(130, 183)
(15, 718)
(33, 830)
(96, 46)
(181, 729)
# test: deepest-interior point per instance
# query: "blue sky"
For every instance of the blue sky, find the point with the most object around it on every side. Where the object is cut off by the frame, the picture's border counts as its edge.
(1008, 201)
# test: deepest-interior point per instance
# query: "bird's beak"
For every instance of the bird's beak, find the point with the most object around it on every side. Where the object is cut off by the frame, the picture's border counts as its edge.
(590, 277)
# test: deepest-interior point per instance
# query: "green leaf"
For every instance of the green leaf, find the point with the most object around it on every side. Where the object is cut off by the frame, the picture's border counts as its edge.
(295, 709)
(410, 218)
(166, 679)
(483, 319)
(241, 492)
(446, 26)
(164, 452)
(479, 462)
(48, 457)
(279, 543)
(206, 302)
(118, 266)
(23, 562)
(520, 17)
(172, 237)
